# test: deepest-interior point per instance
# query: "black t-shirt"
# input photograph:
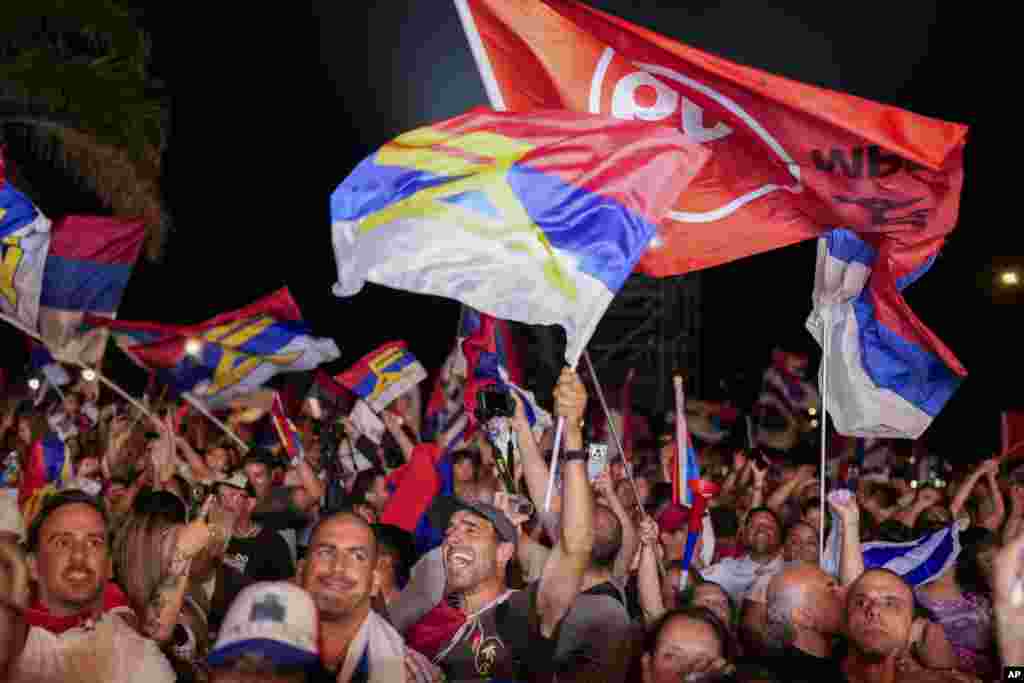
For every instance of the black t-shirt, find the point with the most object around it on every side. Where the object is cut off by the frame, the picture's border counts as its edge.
(794, 666)
(507, 646)
(264, 557)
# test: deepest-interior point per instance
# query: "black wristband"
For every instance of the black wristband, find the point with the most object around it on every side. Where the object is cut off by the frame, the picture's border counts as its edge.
(569, 456)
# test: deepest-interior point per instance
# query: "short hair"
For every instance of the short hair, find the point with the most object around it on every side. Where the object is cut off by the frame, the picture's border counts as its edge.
(701, 614)
(881, 570)
(54, 503)
(348, 515)
(363, 484)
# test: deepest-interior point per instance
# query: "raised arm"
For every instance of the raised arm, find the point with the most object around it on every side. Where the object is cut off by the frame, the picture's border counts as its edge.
(1015, 522)
(994, 521)
(781, 495)
(1008, 601)
(851, 563)
(161, 613)
(563, 573)
(964, 492)
(649, 575)
(925, 499)
(394, 424)
(630, 540)
(535, 470)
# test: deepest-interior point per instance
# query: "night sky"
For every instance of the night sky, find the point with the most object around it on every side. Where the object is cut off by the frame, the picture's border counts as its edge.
(274, 105)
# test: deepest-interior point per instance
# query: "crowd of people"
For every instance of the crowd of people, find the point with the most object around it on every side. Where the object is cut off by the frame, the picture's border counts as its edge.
(166, 552)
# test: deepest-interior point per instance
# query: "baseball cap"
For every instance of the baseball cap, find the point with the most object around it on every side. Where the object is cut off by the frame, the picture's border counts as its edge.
(276, 620)
(506, 530)
(673, 518)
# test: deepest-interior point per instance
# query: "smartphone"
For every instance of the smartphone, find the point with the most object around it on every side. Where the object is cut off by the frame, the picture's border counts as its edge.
(520, 505)
(597, 460)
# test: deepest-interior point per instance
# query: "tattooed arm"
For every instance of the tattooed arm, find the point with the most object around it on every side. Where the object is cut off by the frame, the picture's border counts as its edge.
(163, 608)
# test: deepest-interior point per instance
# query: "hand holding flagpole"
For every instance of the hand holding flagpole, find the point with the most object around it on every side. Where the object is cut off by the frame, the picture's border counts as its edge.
(570, 403)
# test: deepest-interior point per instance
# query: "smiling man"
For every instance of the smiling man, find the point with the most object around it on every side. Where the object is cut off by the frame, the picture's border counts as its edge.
(356, 644)
(763, 535)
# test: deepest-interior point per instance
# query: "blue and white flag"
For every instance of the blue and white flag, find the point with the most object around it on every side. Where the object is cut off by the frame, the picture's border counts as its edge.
(887, 374)
(919, 562)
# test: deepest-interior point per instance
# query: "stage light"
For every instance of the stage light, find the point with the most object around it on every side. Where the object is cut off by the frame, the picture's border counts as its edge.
(812, 411)
(814, 424)
(193, 347)
(89, 375)
(1009, 278)
(34, 384)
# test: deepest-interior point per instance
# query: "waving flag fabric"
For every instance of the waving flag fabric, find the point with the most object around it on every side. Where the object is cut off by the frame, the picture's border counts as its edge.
(41, 361)
(384, 374)
(536, 217)
(291, 439)
(239, 351)
(888, 375)
(24, 242)
(90, 261)
(491, 361)
(47, 468)
(788, 159)
(919, 562)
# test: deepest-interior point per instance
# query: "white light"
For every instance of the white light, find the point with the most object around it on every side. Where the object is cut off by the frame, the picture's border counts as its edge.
(812, 411)
(89, 375)
(193, 347)
(913, 484)
(34, 384)
(814, 424)
(1009, 278)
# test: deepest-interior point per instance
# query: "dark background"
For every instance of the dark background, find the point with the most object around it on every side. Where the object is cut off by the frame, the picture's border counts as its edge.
(273, 105)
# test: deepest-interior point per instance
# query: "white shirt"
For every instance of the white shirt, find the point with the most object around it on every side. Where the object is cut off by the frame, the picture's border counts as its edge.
(112, 652)
(737, 575)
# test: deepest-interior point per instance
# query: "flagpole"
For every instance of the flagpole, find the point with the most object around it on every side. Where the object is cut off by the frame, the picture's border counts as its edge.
(611, 422)
(825, 349)
(110, 383)
(556, 448)
(198, 405)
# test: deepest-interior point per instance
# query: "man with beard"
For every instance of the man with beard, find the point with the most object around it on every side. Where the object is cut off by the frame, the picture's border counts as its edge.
(75, 629)
(510, 635)
(737, 575)
(356, 644)
(884, 635)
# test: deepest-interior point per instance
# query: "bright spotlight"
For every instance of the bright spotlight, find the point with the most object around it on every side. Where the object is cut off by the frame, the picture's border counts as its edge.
(193, 347)
(812, 411)
(89, 375)
(1009, 278)
(34, 384)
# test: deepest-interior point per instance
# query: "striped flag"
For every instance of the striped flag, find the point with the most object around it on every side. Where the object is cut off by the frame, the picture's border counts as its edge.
(290, 438)
(684, 467)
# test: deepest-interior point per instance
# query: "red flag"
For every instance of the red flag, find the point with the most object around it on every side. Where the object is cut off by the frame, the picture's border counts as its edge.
(1012, 432)
(788, 159)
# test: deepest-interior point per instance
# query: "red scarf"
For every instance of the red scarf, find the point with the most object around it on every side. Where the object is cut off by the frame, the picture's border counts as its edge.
(38, 615)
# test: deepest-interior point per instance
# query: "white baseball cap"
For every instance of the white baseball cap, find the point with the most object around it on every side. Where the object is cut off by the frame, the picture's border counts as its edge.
(276, 620)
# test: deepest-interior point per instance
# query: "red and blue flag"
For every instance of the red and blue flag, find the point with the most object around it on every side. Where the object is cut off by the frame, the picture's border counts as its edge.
(383, 375)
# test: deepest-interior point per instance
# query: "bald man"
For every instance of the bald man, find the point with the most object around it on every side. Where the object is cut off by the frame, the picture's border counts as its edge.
(883, 633)
(804, 613)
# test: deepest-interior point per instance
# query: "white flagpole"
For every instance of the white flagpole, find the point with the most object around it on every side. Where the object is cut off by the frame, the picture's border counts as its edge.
(825, 349)
(198, 405)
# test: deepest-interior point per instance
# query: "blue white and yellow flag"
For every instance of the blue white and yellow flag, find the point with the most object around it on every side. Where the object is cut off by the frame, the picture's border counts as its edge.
(24, 243)
(535, 217)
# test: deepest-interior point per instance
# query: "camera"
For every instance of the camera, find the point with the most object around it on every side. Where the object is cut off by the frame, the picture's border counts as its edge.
(494, 402)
